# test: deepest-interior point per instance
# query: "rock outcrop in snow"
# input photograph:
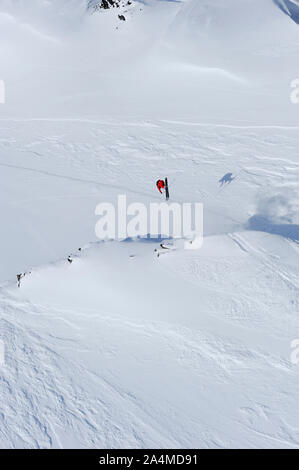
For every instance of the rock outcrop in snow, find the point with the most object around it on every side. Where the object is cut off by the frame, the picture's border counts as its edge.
(290, 7)
(122, 5)
(106, 4)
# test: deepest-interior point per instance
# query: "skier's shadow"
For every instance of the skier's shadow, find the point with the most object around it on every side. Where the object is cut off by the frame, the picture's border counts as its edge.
(262, 224)
(226, 179)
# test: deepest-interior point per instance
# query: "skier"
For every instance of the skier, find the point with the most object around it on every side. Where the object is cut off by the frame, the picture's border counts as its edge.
(161, 184)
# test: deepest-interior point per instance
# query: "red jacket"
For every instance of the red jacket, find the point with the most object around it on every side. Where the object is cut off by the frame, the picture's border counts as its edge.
(160, 185)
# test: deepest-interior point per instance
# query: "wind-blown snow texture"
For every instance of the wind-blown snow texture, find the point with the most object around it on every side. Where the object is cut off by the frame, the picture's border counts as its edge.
(121, 348)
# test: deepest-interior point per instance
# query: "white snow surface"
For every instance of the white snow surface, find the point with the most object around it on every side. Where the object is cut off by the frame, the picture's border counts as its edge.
(120, 348)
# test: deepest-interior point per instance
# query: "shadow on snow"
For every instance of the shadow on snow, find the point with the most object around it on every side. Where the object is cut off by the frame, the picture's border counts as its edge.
(262, 224)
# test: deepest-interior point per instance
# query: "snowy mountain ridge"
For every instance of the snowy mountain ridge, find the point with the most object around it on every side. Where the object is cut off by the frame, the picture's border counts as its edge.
(190, 48)
(106, 344)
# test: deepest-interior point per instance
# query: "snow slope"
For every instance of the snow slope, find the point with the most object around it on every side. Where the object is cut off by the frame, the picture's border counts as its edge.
(148, 367)
(121, 348)
(168, 59)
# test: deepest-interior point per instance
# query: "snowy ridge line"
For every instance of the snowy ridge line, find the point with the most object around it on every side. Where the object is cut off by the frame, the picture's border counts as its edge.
(233, 126)
(85, 253)
(166, 121)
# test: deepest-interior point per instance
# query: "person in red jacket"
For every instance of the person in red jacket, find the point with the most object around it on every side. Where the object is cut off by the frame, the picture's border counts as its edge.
(160, 185)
